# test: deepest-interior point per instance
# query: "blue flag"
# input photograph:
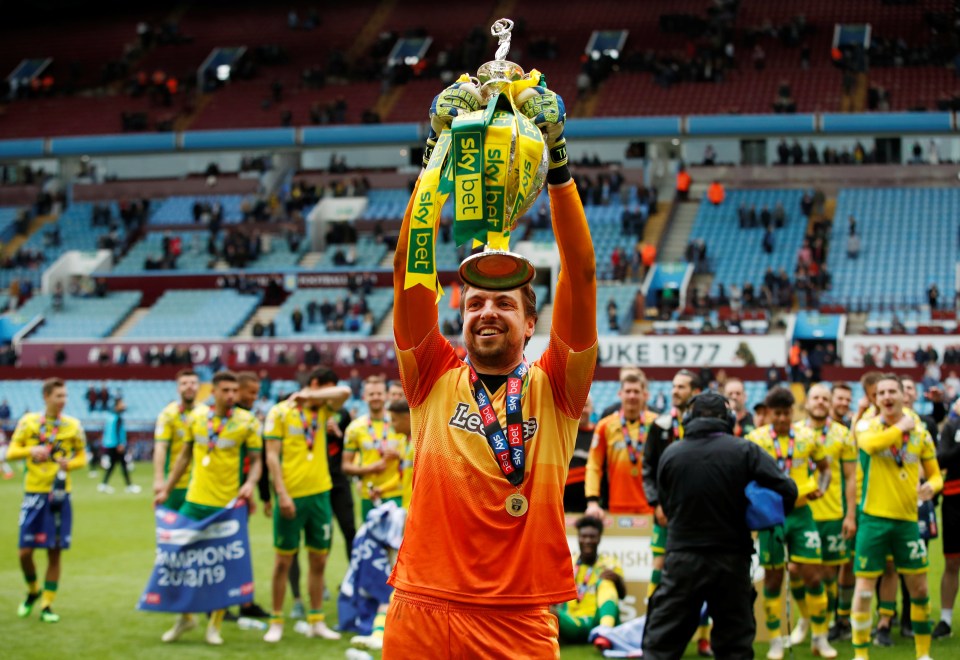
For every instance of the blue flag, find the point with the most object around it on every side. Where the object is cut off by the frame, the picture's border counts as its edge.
(201, 565)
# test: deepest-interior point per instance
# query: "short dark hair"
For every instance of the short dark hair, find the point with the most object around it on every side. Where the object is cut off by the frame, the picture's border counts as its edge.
(871, 378)
(590, 521)
(779, 398)
(225, 377)
(894, 377)
(841, 386)
(186, 372)
(694, 378)
(245, 377)
(323, 376)
(399, 406)
(50, 384)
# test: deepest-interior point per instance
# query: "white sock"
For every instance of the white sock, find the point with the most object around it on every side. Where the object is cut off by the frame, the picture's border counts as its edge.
(946, 615)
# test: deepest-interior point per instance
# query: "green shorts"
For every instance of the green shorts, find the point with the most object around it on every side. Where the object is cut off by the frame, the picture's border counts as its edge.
(798, 536)
(366, 506)
(658, 543)
(198, 511)
(832, 544)
(176, 500)
(879, 538)
(312, 519)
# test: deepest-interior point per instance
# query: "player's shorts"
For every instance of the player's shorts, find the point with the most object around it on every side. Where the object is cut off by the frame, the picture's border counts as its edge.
(313, 520)
(658, 543)
(833, 546)
(426, 628)
(798, 536)
(879, 538)
(366, 506)
(195, 511)
(575, 629)
(42, 525)
(950, 525)
(177, 499)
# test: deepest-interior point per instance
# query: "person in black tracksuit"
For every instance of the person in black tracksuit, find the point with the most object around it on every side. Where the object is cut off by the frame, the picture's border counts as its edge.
(701, 483)
(948, 456)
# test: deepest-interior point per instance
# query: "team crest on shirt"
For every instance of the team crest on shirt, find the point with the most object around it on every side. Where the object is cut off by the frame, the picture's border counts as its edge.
(472, 422)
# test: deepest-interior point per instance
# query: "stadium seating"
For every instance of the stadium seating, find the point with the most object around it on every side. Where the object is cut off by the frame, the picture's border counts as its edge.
(735, 254)
(378, 304)
(366, 253)
(625, 298)
(179, 210)
(604, 393)
(7, 217)
(80, 318)
(195, 314)
(908, 241)
(76, 233)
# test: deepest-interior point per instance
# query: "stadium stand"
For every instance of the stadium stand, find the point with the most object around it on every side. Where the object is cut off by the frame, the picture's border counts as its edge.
(196, 314)
(910, 259)
(80, 318)
(734, 253)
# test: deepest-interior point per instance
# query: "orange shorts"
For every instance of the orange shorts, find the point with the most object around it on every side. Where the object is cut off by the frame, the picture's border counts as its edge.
(425, 627)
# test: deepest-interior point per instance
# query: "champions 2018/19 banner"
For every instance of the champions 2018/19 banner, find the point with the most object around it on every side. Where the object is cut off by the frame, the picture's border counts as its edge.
(201, 565)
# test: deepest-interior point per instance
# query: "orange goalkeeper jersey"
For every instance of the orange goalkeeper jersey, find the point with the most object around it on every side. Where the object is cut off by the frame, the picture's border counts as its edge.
(460, 544)
(609, 452)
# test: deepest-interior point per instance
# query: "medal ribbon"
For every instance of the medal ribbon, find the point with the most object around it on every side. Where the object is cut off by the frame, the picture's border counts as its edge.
(641, 437)
(582, 587)
(378, 443)
(898, 452)
(823, 439)
(676, 428)
(214, 435)
(42, 435)
(508, 449)
(309, 430)
(785, 465)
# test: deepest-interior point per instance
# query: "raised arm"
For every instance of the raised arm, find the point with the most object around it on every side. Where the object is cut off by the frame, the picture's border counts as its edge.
(575, 302)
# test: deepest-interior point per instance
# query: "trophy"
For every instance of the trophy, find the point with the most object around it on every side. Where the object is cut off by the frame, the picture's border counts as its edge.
(514, 167)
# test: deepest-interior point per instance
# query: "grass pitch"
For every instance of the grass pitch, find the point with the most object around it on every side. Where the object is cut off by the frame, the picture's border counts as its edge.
(107, 568)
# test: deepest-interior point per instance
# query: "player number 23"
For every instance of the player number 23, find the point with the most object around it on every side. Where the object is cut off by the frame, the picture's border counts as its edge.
(813, 539)
(917, 549)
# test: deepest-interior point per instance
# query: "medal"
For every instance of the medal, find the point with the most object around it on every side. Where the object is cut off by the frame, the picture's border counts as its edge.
(635, 472)
(213, 435)
(206, 460)
(516, 505)
(310, 456)
(632, 445)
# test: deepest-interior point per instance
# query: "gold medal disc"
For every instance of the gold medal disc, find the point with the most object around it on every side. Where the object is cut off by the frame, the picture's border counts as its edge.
(516, 505)
(310, 456)
(206, 460)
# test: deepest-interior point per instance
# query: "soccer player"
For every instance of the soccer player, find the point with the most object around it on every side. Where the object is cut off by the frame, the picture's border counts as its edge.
(574, 493)
(168, 438)
(895, 445)
(395, 391)
(297, 459)
(835, 512)
(371, 450)
(54, 445)
(794, 448)
(600, 586)
(948, 457)
(668, 428)
(216, 440)
(737, 396)
(617, 451)
(480, 542)
(841, 396)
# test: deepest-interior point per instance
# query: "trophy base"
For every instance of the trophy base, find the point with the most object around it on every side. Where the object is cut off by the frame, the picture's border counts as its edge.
(496, 270)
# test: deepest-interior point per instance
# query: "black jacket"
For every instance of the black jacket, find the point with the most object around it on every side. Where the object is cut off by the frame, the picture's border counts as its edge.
(701, 482)
(948, 453)
(659, 438)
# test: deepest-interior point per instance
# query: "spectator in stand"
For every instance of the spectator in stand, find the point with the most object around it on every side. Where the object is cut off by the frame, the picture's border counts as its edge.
(715, 193)
(709, 155)
(759, 58)
(768, 242)
(683, 184)
(933, 295)
(783, 153)
(296, 319)
(853, 246)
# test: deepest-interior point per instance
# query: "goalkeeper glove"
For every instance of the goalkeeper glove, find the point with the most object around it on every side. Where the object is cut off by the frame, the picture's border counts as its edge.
(545, 108)
(460, 97)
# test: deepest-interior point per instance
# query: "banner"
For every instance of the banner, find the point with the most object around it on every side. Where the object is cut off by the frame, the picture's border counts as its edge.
(682, 351)
(201, 565)
(901, 348)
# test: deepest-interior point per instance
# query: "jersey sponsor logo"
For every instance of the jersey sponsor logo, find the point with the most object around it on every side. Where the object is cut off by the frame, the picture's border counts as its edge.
(465, 420)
